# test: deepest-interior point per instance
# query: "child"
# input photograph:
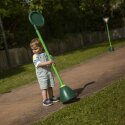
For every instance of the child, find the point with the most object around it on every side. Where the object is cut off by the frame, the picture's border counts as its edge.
(43, 72)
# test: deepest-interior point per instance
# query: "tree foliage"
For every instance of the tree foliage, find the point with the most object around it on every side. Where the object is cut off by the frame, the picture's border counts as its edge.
(61, 17)
(9, 9)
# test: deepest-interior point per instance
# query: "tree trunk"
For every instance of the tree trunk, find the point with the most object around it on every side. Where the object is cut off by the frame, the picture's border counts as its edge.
(5, 41)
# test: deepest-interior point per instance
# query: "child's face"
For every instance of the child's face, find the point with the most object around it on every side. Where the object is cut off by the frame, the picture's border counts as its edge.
(37, 50)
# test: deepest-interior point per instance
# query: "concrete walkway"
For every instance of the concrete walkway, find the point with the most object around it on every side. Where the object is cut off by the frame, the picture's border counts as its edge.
(23, 106)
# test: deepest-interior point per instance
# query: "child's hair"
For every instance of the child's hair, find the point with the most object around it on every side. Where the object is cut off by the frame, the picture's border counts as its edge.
(35, 42)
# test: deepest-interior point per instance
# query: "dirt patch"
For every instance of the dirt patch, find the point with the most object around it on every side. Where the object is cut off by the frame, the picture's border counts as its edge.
(23, 105)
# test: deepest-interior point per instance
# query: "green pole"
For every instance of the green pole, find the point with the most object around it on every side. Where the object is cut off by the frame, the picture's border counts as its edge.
(108, 34)
(49, 57)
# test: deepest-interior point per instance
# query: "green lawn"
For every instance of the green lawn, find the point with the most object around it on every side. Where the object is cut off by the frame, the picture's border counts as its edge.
(106, 107)
(26, 74)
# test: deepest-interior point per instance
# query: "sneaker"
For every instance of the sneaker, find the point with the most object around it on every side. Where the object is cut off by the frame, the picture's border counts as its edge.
(54, 99)
(47, 102)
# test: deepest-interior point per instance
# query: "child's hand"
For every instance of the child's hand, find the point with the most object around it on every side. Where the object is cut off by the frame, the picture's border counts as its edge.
(51, 62)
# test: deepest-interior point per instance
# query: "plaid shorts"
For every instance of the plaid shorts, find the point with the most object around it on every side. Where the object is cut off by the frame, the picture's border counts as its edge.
(46, 81)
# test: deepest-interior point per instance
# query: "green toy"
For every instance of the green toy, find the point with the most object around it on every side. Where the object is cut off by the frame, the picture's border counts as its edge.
(66, 93)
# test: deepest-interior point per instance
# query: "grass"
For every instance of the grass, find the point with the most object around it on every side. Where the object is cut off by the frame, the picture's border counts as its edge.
(26, 74)
(106, 107)
(17, 77)
(79, 56)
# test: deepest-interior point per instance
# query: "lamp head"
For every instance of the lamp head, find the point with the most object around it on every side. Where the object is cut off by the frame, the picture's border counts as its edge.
(106, 19)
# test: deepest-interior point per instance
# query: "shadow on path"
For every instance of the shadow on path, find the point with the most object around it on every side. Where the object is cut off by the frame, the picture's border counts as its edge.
(78, 92)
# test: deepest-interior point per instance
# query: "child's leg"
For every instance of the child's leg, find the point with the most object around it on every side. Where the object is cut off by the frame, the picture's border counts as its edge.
(50, 95)
(44, 94)
(46, 101)
(50, 92)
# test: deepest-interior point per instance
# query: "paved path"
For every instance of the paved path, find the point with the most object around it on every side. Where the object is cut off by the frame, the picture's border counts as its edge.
(22, 106)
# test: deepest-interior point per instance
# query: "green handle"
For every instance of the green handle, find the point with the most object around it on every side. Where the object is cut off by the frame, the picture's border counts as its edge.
(49, 57)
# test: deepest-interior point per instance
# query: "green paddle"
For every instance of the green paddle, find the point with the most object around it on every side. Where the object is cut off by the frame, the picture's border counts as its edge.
(66, 93)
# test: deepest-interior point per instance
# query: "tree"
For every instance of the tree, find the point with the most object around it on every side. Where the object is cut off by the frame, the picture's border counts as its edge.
(10, 8)
(61, 17)
(7, 8)
(95, 10)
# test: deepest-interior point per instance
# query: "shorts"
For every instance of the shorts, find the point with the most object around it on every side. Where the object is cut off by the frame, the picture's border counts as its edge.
(46, 81)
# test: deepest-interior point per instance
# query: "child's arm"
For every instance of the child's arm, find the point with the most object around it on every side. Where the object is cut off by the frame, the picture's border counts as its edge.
(46, 63)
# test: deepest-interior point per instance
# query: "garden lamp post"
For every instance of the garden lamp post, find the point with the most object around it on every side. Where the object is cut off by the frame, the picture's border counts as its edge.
(106, 19)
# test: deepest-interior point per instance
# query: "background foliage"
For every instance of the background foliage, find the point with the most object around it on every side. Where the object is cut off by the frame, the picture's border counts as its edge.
(61, 17)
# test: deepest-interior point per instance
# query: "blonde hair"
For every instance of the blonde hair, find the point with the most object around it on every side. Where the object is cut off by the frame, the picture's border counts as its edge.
(35, 43)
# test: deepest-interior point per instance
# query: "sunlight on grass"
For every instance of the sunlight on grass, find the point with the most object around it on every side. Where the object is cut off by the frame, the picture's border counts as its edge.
(106, 107)
(78, 56)
(26, 74)
(17, 77)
